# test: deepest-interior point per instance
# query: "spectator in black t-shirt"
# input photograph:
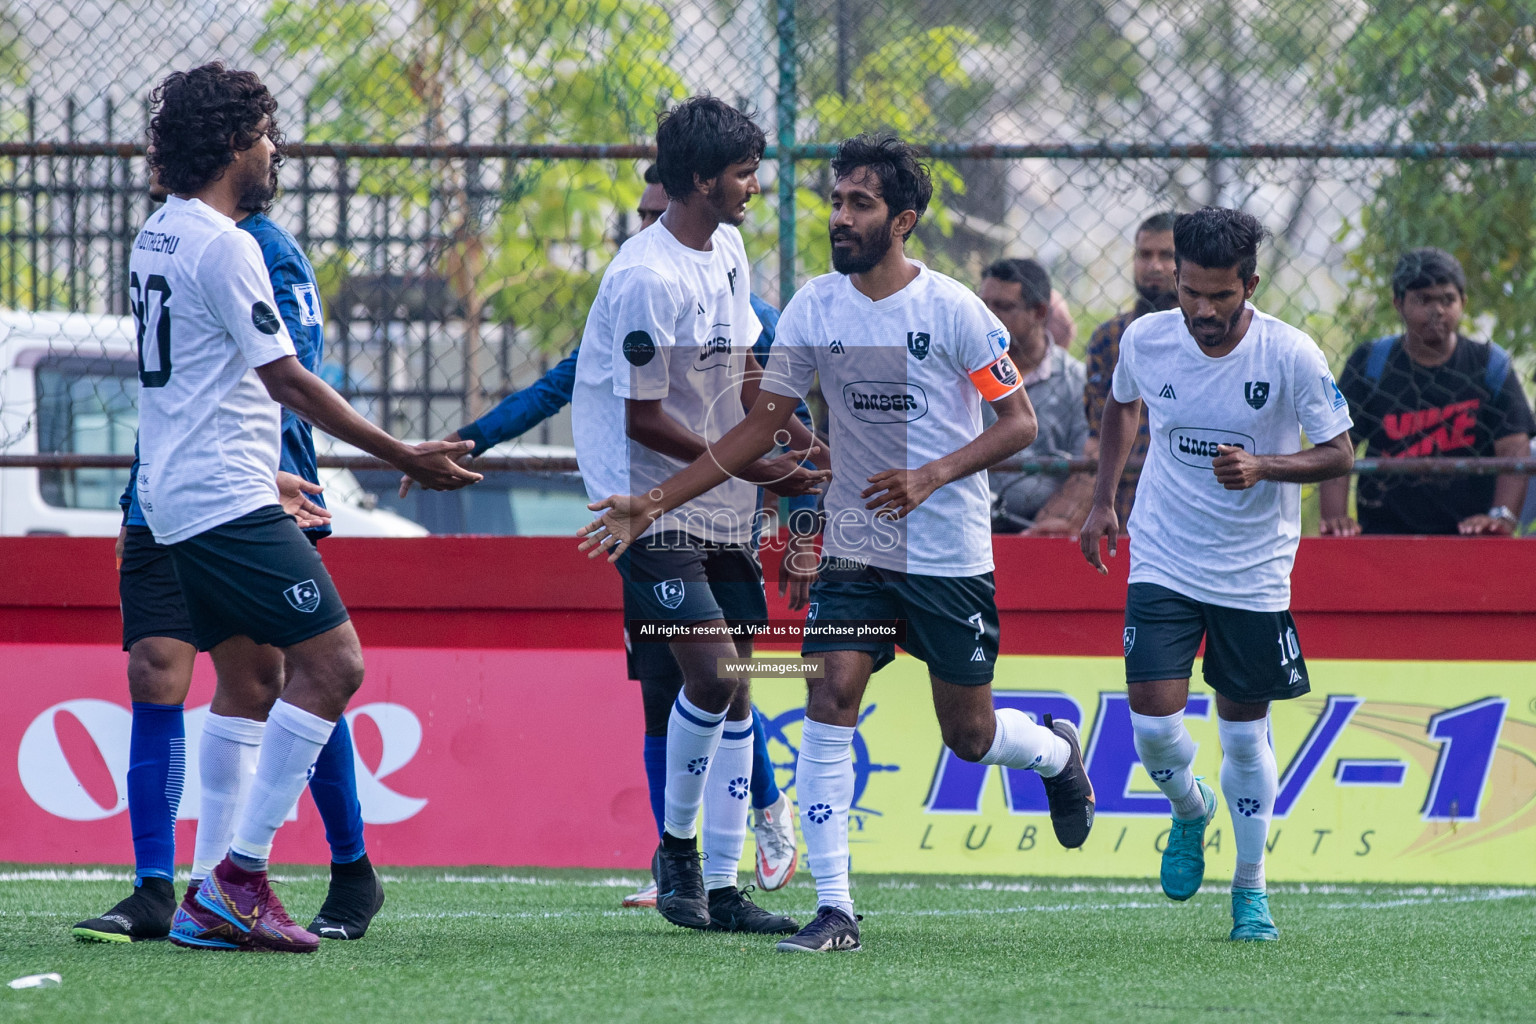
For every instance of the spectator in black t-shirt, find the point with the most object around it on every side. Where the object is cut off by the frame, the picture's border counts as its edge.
(1431, 392)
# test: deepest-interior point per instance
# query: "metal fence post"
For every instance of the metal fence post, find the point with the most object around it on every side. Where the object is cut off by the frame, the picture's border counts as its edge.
(786, 149)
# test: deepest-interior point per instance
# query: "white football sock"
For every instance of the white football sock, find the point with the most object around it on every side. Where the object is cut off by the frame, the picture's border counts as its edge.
(726, 789)
(1249, 779)
(1167, 751)
(692, 736)
(1021, 742)
(226, 764)
(824, 788)
(293, 742)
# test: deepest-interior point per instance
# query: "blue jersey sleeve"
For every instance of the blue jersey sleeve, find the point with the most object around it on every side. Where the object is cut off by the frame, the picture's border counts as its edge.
(521, 412)
(129, 502)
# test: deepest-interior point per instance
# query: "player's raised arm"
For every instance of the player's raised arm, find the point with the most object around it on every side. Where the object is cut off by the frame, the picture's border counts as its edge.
(625, 517)
(430, 463)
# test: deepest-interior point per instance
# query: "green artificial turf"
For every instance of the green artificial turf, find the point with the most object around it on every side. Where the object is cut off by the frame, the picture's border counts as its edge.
(538, 945)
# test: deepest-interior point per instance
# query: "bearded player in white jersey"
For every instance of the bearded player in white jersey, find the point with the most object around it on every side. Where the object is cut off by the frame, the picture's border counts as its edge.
(1228, 391)
(906, 356)
(215, 359)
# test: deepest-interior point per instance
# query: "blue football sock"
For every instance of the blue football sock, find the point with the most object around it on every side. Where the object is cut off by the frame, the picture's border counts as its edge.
(334, 787)
(157, 768)
(765, 788)
(656, 777)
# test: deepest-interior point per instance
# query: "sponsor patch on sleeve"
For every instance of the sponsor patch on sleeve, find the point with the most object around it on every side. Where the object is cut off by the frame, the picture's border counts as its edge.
(1336, 398)
(264, 318)
(998, 339)
(999, 380)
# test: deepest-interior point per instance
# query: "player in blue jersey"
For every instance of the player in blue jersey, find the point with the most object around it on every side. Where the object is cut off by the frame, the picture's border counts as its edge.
(157, 633)
(660, 679)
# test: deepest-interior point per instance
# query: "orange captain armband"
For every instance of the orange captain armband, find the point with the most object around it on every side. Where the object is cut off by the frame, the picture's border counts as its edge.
(999, 380)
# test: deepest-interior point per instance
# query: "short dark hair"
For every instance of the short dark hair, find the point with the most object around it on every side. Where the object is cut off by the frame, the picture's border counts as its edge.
(1034, 283)
(1426, 268)
(1218, 237)
(1157, 223)
(904, 181)
(698, 139)
(652, 176)
(202, 118)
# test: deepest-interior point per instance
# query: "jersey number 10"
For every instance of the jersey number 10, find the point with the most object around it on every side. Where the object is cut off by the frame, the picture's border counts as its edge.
(152, 318)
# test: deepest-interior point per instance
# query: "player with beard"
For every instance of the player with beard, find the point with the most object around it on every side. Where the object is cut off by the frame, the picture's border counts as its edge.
(157, 633)
(906, 356)
(1228, 391)
(665, 368)
(215, 359)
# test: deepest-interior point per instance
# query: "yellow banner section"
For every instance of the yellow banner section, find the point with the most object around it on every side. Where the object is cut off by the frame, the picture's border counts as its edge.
(1389, 772)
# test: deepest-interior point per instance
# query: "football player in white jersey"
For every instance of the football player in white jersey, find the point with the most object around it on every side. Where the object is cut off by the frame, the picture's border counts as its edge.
(215, 359)
(906, 356)
(664, 368)
(1228, 392)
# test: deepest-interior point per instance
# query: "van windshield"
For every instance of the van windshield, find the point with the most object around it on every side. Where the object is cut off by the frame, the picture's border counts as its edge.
(85, 407)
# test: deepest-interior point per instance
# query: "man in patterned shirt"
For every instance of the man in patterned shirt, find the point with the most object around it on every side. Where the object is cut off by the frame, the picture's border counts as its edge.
(1152, 271)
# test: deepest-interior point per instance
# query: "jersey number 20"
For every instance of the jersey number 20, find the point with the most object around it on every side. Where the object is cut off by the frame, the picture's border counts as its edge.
(152, 318)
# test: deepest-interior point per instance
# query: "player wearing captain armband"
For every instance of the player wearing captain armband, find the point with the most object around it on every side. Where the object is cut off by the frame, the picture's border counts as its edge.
(906, 358)
(1228, 391)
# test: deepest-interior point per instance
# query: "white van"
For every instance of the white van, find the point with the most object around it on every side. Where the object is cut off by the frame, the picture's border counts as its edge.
(69, 385)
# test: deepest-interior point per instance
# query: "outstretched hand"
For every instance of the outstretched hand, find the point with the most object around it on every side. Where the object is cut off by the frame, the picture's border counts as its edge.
(293, 494)
(624, 518)
(435, 466)
(406, 482)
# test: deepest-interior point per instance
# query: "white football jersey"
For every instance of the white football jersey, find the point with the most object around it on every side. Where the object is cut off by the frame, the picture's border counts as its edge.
(675, 324)
(1188, 532)
(904, 379)
(206, 317)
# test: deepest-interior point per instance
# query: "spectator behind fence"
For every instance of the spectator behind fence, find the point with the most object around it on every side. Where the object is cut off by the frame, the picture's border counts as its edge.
(1431, 392)
(1019, 294)
(1152, 271)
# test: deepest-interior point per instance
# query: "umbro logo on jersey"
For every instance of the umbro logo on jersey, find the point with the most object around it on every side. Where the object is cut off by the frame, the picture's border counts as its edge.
(1256, 392)
(303, 596)
(837, 347)
(1167, 392)
(731, 277)
(917, 344)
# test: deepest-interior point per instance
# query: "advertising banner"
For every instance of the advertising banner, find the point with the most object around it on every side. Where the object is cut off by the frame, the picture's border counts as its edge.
(1389, 771)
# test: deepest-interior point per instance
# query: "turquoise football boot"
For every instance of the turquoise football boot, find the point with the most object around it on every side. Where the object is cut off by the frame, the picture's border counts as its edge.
(1184, 856)
(1250, 917)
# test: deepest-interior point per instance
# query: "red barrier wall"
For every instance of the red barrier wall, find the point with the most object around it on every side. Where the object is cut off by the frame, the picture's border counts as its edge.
(496, 727)
(1372, 597)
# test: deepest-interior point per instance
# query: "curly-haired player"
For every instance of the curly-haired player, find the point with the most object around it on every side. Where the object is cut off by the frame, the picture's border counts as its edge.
(215, 359)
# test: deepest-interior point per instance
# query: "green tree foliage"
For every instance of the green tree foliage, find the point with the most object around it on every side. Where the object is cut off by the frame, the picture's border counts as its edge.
(1456, 72)
(557, 71)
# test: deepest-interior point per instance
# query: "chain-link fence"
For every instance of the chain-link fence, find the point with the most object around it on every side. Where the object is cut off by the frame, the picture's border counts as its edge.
(462, 170)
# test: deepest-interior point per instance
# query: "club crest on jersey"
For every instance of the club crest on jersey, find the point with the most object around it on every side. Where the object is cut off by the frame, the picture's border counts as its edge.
(1130, 639)
(670, 593)
(1257, 393)
(305, 596)
(917, 344)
